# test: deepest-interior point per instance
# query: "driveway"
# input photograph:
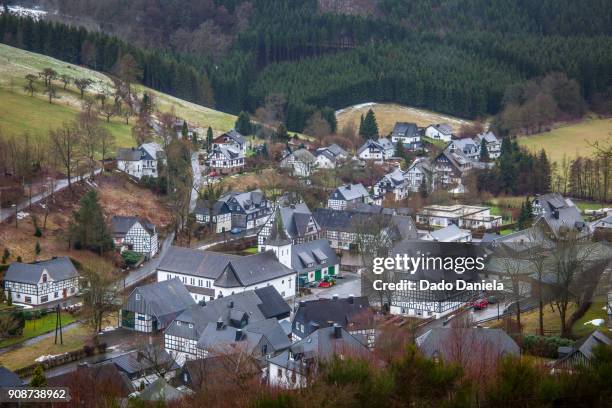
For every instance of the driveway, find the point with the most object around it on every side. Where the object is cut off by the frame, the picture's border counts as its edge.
(349, 285)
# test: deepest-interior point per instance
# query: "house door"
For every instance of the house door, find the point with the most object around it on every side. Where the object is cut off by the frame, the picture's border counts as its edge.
(64, 293)
(318, 275)
(331, 270)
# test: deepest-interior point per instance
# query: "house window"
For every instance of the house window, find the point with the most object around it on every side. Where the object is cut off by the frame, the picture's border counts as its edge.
(137, 296)
(28, 299)
(44, 278)
(279, 372)
(44, 299)
(56, 295)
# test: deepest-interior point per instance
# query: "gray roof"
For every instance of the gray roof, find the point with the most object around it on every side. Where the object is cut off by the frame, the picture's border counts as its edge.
(325, 312)
(129, 154)
(58, 269)
(319, 252)
(348, 221)
(160, 390)
(227, 151)
(443, 128)
(249, 201)
(233, 135)
(189, 261)
(295, 219)
(350, 192)
(569, 217)
(489, 137)
(404, 129)
(278, 236)
(447, 233)
(304, 156)
(336, 150)
(140, 361)
(440, 341)
(9, 378)
(121, 224)
(380, 144)
(253, 269)
(164, 300)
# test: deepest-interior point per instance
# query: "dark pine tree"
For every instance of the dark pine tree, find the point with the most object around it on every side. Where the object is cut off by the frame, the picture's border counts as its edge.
(243, 124)
(484, 151)
(369, 126)
(88, 229)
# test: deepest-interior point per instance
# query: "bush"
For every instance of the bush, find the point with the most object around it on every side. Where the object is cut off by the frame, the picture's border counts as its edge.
(88, 350)
(545, 346)
(130, 258)
(38, 232)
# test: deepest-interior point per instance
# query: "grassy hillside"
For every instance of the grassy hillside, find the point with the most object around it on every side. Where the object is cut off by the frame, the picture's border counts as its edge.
(572, 140)
(388, 113)
(20, 113)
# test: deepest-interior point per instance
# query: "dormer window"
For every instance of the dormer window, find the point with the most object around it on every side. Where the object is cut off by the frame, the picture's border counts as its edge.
(44, 278)
(138, 296)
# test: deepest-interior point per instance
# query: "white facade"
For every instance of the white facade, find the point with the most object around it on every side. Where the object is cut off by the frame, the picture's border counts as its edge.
(436, 133)
(46, 290)
(138, 239)
(285, 378)
(222, 222)
(138, 168)
(324, 162)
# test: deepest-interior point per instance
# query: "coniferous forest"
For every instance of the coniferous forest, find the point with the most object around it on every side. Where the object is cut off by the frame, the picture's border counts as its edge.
(451, 56)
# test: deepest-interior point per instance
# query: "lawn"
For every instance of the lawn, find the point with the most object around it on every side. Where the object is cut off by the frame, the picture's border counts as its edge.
(571, 140)
(36, 327)
(596, 311)
(387, 114)
(74, 339)
(552, 322)
(587, 205)
(251, 250)
(20, 113)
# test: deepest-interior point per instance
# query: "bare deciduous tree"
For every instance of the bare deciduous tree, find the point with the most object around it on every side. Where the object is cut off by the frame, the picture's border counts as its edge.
(65, 145)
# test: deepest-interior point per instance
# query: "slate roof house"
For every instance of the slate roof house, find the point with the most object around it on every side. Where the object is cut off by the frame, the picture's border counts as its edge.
(314, 261)
(248, 320)
(492, 142)
(146, 365)
(452, 233)
(141, 161)
(449, 167)
(329, 157)
(301, 162)
(351, 313)
(233, 139)
(298, 222)
(380, 150)
(152, 307)
(9, 378)
(419, 174)
(555, 214)
(452, 344)
(394, 184)
(582, 352)
(441, 131)
(225, 159)
(249, 209)
(135, 234)
(208, 275)
(468, 146)
(38, 283)
(347, 195)
(219, 371)
(407, 134)
(221, 215)
(294, 367)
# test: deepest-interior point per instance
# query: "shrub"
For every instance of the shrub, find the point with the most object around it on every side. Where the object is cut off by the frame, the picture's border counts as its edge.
(88, 350)
(545, 346)
(130, 257)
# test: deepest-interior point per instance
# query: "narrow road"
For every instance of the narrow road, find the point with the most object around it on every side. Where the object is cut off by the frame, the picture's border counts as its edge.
(148, 268)
(197, 180)
(5, 213)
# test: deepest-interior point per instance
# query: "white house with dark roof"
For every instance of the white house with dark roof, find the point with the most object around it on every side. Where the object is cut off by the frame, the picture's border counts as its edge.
(221, 215)
(492, 142)
(348, 194)
(41, 282)
(249, 209)
(233, 139)
(441, 131)
(450, 344)
(208, 275)
(554, 213)
(393, 183)
(298, 222)
(225, 159)
(407, 134)
(153, 307)
(379, 150)
(301, 162)
(418, 174)
(451, 233)
(468, 146)
(141, 161)
(330, 156)
(248, 320)
(135, 234)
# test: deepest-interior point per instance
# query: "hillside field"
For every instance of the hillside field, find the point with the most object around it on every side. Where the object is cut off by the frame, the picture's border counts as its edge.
(19, 112)
(572, 140)
(389, 113)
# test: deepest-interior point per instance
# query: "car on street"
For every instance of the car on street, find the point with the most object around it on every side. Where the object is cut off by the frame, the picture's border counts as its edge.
(325, 284)
(480, 304)
(236, 230)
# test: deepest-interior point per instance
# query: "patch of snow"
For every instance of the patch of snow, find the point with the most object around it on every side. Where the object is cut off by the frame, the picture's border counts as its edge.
(108, 329)
(21, 215)
(48, 357)
(35, 13)
(595, 322)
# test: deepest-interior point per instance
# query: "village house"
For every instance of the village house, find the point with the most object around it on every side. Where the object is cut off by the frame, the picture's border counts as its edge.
(467, 146)
(246, 321)
(349, 194)
(329, 157)
(463, 216)
(249, 209)
(225, 159)
(492, 142)
(441, 131)
(293, 367)
(452, 233)
(140, 162)
(407, 134)
(427, 303)
(351, 313)
(379, 150)
(457, 344)
(554, 214)
(178, 128)
(394, 184)
(449, 167)
(41, 282)
(300, 162)
(135, 234)
(208, 275)
(211, 372)
(221, 215)
(580, 354)
(231, 139)
(420, 175)
(146, 365)
(151, 308)
(298, 222)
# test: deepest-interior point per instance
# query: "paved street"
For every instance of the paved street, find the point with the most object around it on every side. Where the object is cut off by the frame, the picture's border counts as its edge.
(197, 180)
(148, 268)
(5, 213)
(349, 285)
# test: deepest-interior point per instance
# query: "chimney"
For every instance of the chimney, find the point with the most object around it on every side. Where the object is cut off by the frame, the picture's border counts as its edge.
(337, 331)
(238, 334)
(348, 186)
(219, 324)
(231, 304)
(351, 299)
(335, 296)
(556, 214)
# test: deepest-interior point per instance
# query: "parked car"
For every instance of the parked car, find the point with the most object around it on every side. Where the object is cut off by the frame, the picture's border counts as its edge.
(236, 230)
(325, 284)
(480, 304)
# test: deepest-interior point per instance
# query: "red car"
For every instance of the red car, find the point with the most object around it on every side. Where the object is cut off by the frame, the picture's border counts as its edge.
(325, 284)
(480, 304)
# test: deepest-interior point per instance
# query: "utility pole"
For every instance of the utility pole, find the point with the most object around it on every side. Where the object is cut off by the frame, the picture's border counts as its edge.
(58, 324)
